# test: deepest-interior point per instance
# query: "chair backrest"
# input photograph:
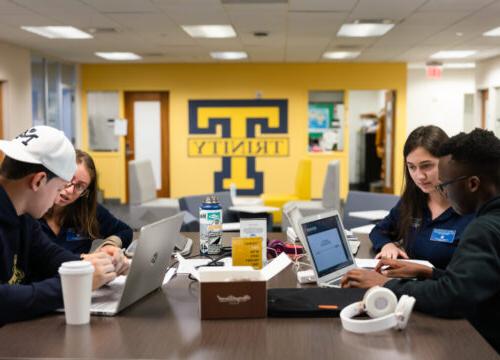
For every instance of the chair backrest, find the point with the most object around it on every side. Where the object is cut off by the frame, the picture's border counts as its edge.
(331, 186)
(363, 200)
(141, 182)
(303, 180)
(192, 204)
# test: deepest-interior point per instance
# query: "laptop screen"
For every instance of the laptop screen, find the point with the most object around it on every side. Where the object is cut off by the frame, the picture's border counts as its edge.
(326, 247)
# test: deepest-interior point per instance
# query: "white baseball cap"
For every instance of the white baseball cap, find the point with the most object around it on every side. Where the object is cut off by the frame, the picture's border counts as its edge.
(43, 145)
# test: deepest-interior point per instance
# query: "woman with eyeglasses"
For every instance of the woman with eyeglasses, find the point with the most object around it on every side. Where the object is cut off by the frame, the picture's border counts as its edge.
(76, 219)
(422, 225)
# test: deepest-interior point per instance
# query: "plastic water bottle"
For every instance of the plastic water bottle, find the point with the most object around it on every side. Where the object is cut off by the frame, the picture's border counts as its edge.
(210, 226)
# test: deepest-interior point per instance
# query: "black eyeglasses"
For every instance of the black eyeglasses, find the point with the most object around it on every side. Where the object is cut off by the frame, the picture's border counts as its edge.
(78, 187)
(441, 187)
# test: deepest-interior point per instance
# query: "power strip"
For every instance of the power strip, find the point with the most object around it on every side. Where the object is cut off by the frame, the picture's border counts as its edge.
(306, 276)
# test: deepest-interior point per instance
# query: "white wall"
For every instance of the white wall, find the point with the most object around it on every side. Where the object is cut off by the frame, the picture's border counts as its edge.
(488, 77)
(15, 73)
(360, 102)
(438, 102)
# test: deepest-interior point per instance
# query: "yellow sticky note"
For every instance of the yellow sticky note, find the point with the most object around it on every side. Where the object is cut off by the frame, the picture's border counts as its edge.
(247, 252)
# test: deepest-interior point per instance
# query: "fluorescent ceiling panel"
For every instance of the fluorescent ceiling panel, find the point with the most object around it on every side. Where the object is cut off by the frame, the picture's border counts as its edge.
(339, 55)
(58, 32)
(492, 32)
(118, 56)
(210, 31)
(364, 30)
(453, 54)
(229, 55)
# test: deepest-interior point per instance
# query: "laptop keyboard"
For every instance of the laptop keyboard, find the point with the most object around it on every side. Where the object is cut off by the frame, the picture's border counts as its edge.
(107, 297)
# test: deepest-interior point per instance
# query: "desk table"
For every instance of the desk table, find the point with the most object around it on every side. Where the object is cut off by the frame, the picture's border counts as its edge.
(166, 324)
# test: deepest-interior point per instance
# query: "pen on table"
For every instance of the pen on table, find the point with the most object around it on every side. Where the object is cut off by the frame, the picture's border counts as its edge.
(328, 307)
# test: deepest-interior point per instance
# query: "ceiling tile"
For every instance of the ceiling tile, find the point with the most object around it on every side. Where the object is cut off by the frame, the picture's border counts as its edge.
(385, 9)
(456, 5)
(321, 5)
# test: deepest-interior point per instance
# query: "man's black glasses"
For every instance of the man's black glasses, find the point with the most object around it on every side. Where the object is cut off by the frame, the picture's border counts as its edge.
(441, 187)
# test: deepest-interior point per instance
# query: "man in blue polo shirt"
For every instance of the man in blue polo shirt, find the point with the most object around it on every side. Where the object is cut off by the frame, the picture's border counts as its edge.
(469, 171)
(37, 165)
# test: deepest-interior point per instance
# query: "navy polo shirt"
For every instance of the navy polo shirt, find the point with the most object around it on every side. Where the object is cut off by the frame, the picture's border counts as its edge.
(432, 240)
(81, 244)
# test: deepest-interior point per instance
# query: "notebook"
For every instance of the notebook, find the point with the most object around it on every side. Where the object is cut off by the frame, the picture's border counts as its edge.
(327, 247)
(147, 270)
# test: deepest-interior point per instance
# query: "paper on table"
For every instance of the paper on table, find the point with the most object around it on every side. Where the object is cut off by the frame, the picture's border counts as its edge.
(169, 275)
(253, 209)
(365, 229)
(371, 263)
(275, 266)
(188, 266)
(369, 214)
(231, 226)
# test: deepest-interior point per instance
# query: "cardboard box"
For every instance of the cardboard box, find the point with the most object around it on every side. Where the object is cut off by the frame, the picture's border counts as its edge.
(230, 300)
(237, 291)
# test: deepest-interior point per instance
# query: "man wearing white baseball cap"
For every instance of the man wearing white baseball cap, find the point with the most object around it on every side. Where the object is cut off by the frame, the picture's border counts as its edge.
(37, 165)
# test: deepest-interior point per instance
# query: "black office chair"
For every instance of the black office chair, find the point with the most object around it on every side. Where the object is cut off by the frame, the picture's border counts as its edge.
(364, 201)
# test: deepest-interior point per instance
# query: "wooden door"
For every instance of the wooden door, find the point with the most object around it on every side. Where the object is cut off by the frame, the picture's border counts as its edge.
(1, 109)
(148, 134)
(484, 95)
(390, 131)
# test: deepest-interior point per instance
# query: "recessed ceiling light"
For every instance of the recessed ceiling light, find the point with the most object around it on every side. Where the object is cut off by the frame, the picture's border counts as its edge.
(210, 31)
(229, 55)
(453, 54)
(459, 65)
(337, 55)
(492, 32)
(58, 32)
(118, 56)
(365, 28)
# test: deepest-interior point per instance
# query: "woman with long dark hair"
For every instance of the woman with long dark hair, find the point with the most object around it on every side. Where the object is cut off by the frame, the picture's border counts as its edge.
(76, 219)
(422, 225)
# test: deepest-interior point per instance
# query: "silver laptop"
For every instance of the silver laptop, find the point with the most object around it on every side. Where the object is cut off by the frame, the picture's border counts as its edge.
(147, 270)
(292, 212)
(327, 247)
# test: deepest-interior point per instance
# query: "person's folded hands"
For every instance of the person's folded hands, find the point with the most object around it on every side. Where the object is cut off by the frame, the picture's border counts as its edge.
(104, 270)
(120, 261)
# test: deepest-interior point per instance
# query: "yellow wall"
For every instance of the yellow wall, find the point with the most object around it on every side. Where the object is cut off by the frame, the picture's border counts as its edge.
(241, 81)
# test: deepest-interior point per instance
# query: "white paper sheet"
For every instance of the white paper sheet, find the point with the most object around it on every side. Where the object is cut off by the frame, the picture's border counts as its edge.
(365, 229)
(371, 263)
(253, 209)
(275, 267)
(372, 215)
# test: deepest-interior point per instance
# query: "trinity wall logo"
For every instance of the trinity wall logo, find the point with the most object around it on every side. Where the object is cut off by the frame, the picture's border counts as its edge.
(238, 132)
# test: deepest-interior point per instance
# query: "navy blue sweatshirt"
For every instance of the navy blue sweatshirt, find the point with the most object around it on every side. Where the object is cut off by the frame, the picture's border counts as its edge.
(29, 282)
(470, 285)
(80, 244)
(433, 240)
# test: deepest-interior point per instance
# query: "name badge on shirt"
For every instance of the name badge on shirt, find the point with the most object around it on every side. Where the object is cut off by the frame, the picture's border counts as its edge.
(72, 236)
(442, 235)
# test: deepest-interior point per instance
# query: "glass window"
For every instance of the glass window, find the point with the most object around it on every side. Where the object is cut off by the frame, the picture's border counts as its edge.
(53, 94)
(325, 123)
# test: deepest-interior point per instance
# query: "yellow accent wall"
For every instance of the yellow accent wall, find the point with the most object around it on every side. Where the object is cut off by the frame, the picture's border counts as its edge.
(186, 82)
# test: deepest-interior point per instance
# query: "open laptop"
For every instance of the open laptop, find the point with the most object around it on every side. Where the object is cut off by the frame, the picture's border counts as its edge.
(293, 214)
(327, 247)
(147, 270)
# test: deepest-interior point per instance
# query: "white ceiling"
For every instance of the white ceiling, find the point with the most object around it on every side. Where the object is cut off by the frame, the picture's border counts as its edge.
(299, 30)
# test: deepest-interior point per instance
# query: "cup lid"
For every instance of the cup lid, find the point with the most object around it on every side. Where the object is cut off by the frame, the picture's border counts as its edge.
(76, 267)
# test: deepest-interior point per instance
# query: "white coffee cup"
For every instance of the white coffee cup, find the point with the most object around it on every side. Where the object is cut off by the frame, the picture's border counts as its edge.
(76, 279)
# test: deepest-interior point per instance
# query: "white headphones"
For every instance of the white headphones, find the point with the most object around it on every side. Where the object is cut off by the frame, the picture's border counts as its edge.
(382, 305)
